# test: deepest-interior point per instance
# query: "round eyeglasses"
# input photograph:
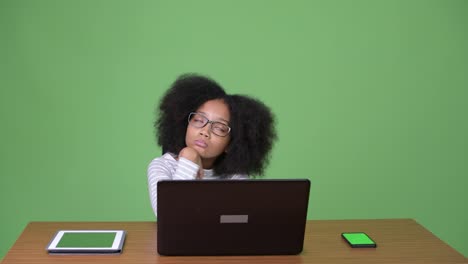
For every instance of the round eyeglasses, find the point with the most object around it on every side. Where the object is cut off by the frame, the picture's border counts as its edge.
(198, 120)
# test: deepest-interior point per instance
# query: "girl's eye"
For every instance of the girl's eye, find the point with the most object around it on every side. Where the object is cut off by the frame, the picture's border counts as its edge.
(220, 128)
(198, 120)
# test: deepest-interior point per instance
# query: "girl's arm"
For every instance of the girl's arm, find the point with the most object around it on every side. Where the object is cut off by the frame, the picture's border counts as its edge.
(168, 169)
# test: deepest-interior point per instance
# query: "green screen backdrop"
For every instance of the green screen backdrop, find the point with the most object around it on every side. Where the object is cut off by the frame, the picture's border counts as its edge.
(370, 99)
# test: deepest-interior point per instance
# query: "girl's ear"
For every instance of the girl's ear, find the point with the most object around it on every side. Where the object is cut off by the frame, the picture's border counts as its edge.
(226, 150)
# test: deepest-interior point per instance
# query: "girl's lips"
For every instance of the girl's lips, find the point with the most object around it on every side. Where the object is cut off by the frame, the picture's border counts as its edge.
(201, 143)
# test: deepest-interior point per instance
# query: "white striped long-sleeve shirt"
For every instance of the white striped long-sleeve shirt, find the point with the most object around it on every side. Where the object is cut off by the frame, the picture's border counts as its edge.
(167, 167)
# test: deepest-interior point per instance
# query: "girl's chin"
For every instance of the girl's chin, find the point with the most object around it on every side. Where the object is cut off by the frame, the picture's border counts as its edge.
(199, 149)
(202, 152)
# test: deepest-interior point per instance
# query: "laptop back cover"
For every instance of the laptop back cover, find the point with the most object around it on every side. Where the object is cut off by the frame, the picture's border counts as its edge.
(232, 217)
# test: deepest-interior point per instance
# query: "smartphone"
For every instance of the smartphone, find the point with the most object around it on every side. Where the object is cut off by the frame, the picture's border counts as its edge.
(358, 240)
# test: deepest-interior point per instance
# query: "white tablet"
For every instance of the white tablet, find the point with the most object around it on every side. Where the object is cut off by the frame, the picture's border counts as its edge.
(87, 241)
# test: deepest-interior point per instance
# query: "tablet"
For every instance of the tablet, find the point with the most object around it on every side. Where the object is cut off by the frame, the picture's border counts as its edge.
(87, 241)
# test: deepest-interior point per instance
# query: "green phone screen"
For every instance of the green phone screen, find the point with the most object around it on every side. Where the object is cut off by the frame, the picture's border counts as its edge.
(359, 239)
(87, 240)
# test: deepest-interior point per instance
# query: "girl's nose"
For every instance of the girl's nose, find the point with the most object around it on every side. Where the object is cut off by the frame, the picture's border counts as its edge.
(205, 131)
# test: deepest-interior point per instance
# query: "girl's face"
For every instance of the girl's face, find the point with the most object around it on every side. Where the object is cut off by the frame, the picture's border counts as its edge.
(208, 144)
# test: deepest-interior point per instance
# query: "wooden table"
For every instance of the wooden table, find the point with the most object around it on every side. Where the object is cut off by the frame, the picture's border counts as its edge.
(398, 240)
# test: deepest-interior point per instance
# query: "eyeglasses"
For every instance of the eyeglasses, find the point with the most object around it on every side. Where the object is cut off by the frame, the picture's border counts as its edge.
(198, 120)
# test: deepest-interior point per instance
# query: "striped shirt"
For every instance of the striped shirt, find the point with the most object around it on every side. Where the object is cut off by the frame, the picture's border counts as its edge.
(167, 167)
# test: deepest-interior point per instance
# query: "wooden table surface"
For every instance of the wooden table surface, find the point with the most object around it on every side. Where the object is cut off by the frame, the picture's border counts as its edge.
(398, 240)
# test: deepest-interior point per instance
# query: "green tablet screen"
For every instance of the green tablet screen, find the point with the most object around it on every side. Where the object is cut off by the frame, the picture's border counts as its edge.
(358, 238)
(87, 240)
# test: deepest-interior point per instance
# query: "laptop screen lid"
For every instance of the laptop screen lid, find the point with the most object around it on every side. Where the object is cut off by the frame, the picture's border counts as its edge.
(232, 217)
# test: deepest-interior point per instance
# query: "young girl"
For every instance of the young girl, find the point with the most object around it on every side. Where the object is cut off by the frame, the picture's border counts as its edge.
(207, 134)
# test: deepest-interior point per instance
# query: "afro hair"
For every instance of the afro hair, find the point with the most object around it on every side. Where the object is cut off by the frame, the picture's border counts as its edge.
(252, 124)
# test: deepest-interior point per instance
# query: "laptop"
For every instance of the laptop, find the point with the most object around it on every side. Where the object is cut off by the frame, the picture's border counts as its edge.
(231, 217)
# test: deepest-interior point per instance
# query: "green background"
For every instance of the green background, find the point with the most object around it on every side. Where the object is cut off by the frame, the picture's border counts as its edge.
(370, 99)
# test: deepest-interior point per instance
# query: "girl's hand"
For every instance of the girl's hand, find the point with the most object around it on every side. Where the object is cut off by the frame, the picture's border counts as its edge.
(192, 155)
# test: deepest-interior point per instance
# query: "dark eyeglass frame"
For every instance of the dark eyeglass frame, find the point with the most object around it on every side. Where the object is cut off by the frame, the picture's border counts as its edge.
(208, 121)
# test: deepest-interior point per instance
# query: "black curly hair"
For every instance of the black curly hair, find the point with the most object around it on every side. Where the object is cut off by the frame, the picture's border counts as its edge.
(252, 124)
